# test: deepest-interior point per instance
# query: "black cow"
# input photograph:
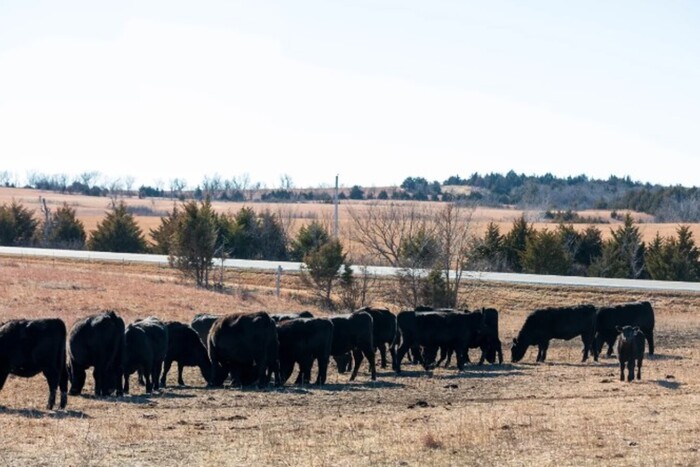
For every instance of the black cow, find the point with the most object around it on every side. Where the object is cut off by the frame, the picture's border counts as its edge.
(488, 341)
(138, 356)
(157, 334)
(354, 333)
(545, 324)
(384, 331)
(186, 348)
(202, 323)
(96, 341)
(30, 346)
(608, 318)
(246, 345)
(435, 330)
(279, 317)
(630, 350)
(301, 341)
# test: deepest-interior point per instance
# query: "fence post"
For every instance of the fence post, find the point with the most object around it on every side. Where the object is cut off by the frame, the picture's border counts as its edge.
(278, 278)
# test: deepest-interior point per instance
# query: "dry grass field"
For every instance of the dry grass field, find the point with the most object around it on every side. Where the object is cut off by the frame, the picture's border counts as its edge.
(562, 412)
(91, 210)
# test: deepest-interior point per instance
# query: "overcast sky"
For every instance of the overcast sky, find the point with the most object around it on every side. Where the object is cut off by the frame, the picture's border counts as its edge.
(374, 91)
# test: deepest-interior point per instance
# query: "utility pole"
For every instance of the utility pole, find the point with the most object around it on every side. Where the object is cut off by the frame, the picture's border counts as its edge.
(335, 209)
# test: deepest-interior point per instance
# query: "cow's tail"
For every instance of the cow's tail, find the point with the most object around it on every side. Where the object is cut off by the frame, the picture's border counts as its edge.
(114, 363)
(63, 368)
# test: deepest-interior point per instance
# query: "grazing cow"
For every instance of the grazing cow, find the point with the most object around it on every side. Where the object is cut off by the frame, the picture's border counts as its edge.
(488, 341)
(246, 345)
(202, 323)
(157, 334)
(96, 341)
(435, 330)
(354, 332)
(138, 355)
(556, 323)
(630, 350)
(279, 317)
(186, 348)
(30, 346)
(301, 341)
(384, 331)
(608, 318)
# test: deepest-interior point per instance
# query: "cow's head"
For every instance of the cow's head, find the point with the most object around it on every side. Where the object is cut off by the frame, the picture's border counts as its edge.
(517, 350)
(627, 333)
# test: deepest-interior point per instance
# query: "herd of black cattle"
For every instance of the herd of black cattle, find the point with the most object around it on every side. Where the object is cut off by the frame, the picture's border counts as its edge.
(254, 348)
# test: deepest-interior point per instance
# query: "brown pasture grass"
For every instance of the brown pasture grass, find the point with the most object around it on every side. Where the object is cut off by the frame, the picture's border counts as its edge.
(91, 210)
(562, 412)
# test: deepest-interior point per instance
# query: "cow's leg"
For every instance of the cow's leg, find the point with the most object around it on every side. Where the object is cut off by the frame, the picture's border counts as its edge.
(299, 376)
(149, 383)
(357, 357)
(155, 374)
(382, 353)
(403, 348)
(460, 359)
(392, 352)
(443, 356)
(622, 371)
(77, 381)
(180, 369)
(322, 369)
(63, 386)
(305, 369)
(286, 370)
(417, 355)
(52, 376)
(142, 381)
(611, 342)
(98, 374)
(126, 383)
(649, 334)
(639, 368)
(166, 368)
(630, 370)
(4, 372)
(369, 353)
(584, 339)
(542, 351)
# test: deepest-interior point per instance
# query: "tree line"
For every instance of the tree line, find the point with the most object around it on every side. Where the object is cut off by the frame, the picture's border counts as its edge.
(543, 192)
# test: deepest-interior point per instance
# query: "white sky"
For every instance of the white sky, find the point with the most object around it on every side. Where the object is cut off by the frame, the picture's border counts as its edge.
(374, 91)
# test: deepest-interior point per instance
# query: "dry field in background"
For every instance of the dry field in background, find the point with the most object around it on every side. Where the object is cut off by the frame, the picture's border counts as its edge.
(559, 413)
(91, 210)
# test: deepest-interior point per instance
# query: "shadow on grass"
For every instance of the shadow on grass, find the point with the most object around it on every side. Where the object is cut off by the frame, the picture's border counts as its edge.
(501, 373)
(660, 356)
(664, 383)
(34, 413)
(358, 386)
(607, 363)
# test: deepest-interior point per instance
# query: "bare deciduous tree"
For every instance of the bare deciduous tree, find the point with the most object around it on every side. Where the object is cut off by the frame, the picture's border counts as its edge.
(129, 181)
(453, 230)
(286, 182)
(381, 227)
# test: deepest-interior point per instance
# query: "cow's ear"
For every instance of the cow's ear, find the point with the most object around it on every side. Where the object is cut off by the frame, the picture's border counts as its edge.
(618, 328)
(636, 329)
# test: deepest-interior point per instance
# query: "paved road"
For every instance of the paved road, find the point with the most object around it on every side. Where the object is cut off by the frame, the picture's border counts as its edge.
(381, 271)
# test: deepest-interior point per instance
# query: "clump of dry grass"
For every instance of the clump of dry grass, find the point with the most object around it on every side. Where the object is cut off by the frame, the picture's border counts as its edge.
(429, 441)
